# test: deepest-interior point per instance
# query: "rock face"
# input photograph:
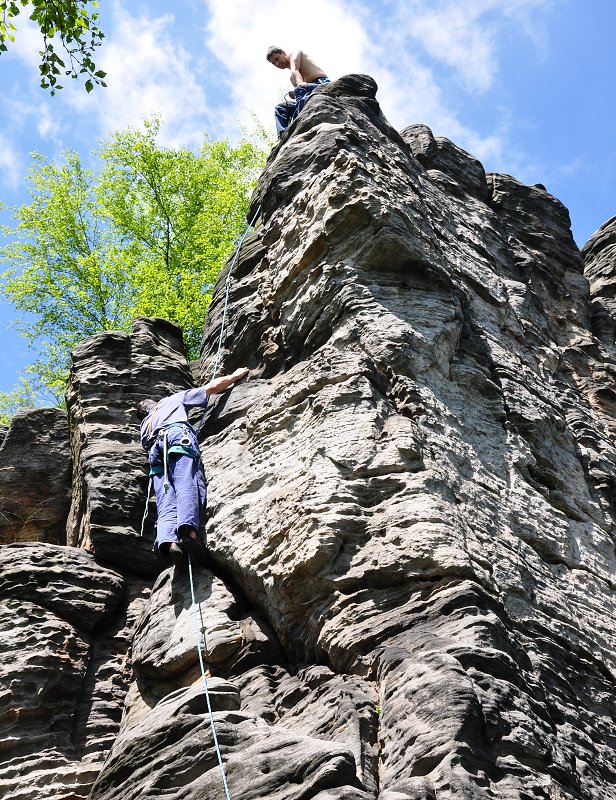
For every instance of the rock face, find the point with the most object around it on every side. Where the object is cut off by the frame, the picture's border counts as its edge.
(411, 502)
(110, 374)
(416, 488)
(64, 668)
(35, 477)
(600, 256)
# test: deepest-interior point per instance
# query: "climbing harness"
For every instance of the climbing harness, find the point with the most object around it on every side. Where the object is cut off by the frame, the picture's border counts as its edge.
(183, 448)
(204, 679)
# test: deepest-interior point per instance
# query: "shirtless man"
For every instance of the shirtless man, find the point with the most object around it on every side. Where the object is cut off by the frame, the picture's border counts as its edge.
(305, 77)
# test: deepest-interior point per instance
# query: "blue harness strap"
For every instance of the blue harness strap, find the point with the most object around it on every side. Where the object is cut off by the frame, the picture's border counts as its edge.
(184, 448)
(176, 449)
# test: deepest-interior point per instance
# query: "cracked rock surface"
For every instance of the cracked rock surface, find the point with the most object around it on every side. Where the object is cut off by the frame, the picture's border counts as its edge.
(66, 623)
(416, 487)
(35, 477)
(410, 586)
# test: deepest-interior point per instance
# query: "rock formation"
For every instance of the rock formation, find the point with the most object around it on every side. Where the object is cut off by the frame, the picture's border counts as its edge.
(599, 255)
(64, 668)
(35, 477)
(110, 374)
(411, 506)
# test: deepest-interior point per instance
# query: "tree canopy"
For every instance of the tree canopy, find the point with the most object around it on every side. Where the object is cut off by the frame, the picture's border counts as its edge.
(146, 234)
(73, 24)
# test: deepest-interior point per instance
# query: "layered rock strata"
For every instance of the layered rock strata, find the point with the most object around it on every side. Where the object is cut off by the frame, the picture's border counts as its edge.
(110, 374)
(417, 488)
(69, 615)
(600, 256)
(35, 477)
(64, 668)
(411, 500)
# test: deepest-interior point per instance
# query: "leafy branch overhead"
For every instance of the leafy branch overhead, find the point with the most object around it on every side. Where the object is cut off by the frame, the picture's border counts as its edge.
(68, 25)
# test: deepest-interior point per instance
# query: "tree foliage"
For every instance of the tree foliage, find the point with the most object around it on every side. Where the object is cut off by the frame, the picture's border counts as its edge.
(146, 234)
(22, 395)
(69, 21)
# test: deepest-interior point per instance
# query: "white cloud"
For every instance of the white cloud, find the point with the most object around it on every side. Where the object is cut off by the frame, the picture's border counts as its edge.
(12, 165)
(342, 39)
(47, 124)
(239, 36)
(28, 42)
(148, 72)
(403, 44)
(426, 55)
(467, 36)
(451, 34)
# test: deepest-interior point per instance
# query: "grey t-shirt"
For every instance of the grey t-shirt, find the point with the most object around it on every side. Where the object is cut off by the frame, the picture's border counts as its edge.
(171, 409)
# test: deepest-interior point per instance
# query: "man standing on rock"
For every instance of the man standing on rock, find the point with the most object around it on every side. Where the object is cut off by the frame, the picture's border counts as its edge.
(305, 77)
(176, 468)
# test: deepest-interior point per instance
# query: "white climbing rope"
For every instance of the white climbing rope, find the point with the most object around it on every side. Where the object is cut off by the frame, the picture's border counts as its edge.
(147, 504)
(204, 680)
(190, 573)
(228, 289)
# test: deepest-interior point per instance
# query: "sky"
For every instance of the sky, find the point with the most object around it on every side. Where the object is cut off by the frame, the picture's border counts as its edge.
(526, 86)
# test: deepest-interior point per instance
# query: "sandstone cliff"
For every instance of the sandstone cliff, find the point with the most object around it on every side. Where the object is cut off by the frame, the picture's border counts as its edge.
(411, 514)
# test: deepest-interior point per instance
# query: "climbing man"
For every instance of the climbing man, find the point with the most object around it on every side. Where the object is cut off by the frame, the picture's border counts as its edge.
(305, 77)
(176, 469)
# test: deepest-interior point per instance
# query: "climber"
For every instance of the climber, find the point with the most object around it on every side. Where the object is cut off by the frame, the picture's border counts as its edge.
(305, 77)
(176, 469)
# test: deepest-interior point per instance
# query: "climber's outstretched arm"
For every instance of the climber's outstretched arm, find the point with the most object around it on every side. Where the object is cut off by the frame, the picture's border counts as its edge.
(219, 385)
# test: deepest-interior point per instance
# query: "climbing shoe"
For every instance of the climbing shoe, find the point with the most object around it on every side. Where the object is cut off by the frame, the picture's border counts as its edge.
(177, 556)
(162, 553)
(195, 548)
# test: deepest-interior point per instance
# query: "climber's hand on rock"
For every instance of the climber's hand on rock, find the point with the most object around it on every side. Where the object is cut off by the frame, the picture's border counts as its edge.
(219, 385)
(240, 373)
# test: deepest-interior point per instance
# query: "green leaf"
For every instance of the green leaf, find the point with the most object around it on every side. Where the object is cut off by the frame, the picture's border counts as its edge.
(72, 22)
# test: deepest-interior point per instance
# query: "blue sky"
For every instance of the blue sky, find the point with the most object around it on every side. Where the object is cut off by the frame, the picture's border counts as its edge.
(527, 86)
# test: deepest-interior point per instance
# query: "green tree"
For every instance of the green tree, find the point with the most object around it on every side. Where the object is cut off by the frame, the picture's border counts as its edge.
(147, 234)
(69, 21)
(22, 395)
(181, 212)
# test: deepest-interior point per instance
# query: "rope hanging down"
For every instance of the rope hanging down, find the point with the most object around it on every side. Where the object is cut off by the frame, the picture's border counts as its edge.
(190, 573)
(238, 250)
(204, 680)
(228, 289)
